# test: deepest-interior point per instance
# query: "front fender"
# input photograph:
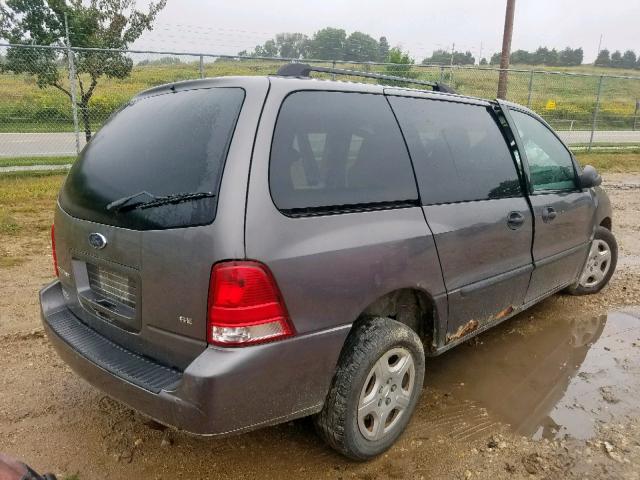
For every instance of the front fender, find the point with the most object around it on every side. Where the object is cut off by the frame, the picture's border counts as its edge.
(604, 212)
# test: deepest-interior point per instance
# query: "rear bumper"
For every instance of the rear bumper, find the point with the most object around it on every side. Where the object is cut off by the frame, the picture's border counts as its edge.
(223, 391)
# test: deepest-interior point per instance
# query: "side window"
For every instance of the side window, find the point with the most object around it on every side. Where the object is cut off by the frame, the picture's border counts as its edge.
(335, 150)
(458, 151)
(550, 163)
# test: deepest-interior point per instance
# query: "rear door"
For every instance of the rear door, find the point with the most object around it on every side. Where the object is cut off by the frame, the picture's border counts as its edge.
(563, 213)
(473, 201)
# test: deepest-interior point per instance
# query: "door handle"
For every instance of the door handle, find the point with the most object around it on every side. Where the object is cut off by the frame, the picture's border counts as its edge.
(548, 214)
(515, 220)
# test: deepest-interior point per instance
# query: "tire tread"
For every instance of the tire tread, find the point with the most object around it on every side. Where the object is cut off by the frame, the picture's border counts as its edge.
(330, 422)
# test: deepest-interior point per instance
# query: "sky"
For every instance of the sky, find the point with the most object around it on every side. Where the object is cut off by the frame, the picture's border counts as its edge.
(419, 26)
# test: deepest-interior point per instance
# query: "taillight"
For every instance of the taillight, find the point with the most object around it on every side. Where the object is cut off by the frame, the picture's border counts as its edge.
(245, 305)
(53, 250)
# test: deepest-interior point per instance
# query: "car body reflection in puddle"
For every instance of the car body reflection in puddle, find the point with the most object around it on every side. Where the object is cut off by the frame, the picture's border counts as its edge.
(549, 377)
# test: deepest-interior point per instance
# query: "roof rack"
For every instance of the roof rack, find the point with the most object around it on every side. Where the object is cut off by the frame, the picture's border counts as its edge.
(304, 70)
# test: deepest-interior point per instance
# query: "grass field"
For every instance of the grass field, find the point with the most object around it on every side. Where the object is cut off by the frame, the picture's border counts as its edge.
(26, 208)
(29, 161)
(26, 108)
(612, 162)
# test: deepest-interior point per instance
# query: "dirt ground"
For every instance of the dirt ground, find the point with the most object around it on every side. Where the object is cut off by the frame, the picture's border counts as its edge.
(552, 393)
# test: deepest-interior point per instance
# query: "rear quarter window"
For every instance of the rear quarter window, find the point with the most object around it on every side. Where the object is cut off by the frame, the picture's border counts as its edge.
(337, 151)
(167, 144)
(458, 151)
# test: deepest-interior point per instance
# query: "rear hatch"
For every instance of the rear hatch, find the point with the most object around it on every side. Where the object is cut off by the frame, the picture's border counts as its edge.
(134, 224)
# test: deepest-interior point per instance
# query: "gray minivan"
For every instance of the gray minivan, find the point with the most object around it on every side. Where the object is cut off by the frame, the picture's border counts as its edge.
(238, 252)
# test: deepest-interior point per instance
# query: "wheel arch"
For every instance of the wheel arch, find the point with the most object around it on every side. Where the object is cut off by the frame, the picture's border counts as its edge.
(606, 223)
(410, 306)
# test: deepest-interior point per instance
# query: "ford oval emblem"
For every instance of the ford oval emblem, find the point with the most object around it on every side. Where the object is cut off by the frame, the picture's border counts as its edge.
(97, 241)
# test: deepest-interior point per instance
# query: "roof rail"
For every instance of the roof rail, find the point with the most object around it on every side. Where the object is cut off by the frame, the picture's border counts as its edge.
(304, 70)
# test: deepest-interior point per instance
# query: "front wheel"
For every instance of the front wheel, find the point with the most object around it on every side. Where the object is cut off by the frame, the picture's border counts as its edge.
(375, 389)
(600, 264)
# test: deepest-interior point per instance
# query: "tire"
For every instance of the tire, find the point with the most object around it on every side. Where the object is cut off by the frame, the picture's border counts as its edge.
(373, 344)
(600, 265)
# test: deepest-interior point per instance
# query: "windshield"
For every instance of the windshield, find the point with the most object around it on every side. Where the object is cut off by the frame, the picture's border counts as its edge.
(167, 145)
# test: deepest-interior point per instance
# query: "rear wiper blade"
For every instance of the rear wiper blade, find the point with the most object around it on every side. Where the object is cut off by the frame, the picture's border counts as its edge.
(168, 200)
(120, 203)
(173, 199)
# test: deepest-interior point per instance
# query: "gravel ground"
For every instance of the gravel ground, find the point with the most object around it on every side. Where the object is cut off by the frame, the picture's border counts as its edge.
(552, 393)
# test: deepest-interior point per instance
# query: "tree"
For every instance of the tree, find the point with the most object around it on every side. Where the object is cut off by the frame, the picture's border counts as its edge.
(483, 61)
(438, 56)
(106, 24)
(570, 57)
(383, 49)
(603, 59)
(402, 67)
(521, 57)
(465, 58)
(495, 59)
(616, 59)
(360, 47)
(328, 44)
(396, 55)
(325, 44)
(269, 49)
(444, 57)
(567, 57)
(578, 56)
(292, 45)
(544, 56)
(629, 59)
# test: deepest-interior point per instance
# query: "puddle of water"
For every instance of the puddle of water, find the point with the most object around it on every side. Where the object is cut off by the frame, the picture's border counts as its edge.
(548, 377)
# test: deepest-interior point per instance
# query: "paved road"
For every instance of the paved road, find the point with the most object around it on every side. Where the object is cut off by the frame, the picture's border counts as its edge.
(62, 144)
(38, 144)
(579, 136)
(34, 168)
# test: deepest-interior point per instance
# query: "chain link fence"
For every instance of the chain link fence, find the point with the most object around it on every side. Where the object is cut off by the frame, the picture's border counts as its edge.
(50, 106)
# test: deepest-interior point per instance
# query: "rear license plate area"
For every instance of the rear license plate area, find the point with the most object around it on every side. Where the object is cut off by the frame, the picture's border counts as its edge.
(110, 292)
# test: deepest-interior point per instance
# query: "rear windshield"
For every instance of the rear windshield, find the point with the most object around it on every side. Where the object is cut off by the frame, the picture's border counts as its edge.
(169, 144)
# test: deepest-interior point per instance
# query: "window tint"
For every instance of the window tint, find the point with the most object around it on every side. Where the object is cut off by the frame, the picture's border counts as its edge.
(166, 145)
(550, 163)
(335, 149)
(458, 151)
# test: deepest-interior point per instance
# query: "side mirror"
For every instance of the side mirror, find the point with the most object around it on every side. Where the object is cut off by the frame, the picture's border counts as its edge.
(590, 177)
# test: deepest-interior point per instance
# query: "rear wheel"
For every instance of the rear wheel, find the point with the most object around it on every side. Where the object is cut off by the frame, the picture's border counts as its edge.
(375, 389)
(600, 264)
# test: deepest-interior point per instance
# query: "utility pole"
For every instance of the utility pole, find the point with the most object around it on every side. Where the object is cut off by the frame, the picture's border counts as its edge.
(599, 46)
(506, 49)
(453, 51)
(480, 54)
